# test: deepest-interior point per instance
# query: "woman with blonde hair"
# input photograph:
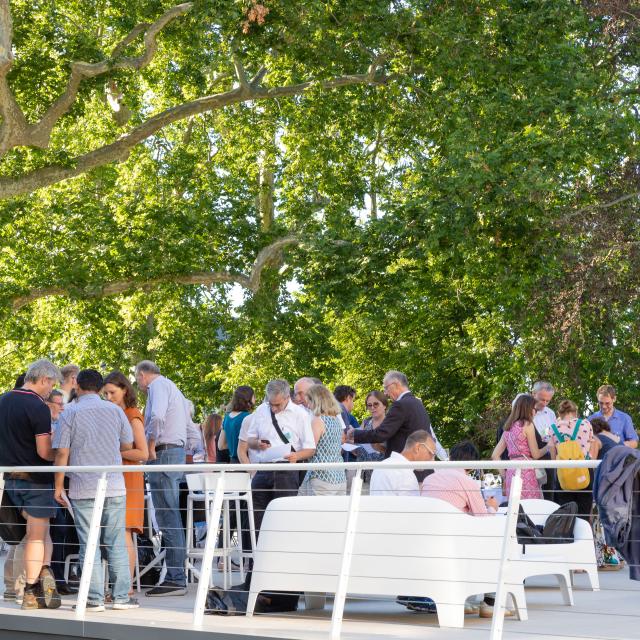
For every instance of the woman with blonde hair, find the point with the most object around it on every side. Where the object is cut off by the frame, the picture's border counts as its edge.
(327, 431)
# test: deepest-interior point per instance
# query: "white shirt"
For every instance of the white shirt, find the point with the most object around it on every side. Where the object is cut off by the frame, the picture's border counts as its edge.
(543, 421)
(394, 482)
(294, 422)
(254, 455)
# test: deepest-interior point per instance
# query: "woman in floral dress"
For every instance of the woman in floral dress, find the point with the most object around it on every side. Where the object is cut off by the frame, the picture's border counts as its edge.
(519, 440)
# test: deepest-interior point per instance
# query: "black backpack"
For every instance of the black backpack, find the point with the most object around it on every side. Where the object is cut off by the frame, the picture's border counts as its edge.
(558, 529)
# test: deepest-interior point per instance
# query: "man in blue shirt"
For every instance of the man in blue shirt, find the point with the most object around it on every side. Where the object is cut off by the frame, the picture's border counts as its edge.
(620, 423)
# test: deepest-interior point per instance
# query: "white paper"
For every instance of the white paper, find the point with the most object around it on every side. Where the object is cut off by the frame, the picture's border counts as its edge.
(68, 503)
(275, 454)
(352, 447)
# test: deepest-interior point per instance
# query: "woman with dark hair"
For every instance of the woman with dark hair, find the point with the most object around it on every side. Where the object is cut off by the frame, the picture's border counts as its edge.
(519, 440)
(119, 390)
(377, 404)
(241, 405)
(604, 439)
(211, 430)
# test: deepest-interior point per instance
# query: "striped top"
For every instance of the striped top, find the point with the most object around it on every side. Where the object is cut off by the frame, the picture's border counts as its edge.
(329, 449)
(93, 430)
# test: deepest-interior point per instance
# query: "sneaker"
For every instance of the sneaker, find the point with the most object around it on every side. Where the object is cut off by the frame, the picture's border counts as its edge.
(49, 591)
(9, 595)
(471, 609)
(421, 605)
(32, 600)
(131, 603)
(486, 611)
(94, 607)
(167, 589)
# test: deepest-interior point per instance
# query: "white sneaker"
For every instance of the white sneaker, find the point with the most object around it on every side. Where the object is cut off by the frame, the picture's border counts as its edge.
(131, 603)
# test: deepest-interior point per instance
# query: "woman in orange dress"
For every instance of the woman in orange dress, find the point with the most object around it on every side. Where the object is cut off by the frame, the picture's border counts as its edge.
(118, 389)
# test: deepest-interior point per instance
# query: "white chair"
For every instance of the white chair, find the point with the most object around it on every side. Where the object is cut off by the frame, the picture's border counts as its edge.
(202, 487)
(403, 546)
(579, 555)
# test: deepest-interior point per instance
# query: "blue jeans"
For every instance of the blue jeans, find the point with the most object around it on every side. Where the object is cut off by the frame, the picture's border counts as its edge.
(165, 493)
(114, 540)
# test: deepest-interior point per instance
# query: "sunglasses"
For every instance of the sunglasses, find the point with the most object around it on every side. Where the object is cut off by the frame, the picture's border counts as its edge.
(370, 405)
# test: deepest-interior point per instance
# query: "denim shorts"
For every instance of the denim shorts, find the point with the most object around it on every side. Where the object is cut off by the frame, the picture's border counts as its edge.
(35, 499)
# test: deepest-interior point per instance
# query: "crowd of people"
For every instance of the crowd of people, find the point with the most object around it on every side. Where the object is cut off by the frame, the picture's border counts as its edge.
(91, 420)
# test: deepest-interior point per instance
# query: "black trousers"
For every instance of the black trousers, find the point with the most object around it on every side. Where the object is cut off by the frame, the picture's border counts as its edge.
(583, 498)
(265, 487)
(65, 541)
(269, 485)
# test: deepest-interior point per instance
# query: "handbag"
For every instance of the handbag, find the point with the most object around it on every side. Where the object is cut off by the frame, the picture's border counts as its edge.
(13, 527)
(541, 474)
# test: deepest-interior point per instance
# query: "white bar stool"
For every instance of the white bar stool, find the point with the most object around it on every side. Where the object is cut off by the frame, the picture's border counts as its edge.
(202, 487)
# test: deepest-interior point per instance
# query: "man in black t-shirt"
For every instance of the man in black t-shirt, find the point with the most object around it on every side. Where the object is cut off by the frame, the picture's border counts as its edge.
(25, 434)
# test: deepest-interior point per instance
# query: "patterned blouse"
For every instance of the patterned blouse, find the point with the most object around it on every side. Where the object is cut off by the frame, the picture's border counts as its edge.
(329, 449)
(584, 437)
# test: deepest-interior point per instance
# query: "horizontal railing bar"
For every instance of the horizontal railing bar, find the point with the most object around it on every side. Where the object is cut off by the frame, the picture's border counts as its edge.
(308, 466)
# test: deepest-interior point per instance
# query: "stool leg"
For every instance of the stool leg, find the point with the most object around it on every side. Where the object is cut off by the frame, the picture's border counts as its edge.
(239, 531)
(137, 564)
(226, 542)
(252, 522)
(187, 560)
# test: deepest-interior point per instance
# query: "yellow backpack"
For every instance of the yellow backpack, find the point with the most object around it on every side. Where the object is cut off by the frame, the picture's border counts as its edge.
(571, 479)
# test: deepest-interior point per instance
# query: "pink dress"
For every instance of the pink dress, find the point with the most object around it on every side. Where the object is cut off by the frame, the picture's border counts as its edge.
(518, 449)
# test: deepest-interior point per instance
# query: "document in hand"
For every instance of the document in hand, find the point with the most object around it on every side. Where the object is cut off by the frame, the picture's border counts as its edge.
(275, 454)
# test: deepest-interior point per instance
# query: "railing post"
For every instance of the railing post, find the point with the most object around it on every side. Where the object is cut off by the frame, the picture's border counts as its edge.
(497, 622)
(209, 547)
(93, 540)
(345, 568)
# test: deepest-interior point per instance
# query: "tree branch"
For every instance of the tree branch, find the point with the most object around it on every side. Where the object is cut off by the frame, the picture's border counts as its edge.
(119, 150)
(250, 282)
(21, 133)
(598, 207)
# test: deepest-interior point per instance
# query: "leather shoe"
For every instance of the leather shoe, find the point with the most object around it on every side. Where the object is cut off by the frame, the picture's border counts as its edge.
(65, 590)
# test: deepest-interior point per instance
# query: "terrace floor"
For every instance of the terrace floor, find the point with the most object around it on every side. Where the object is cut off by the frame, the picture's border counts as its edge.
(612, 613)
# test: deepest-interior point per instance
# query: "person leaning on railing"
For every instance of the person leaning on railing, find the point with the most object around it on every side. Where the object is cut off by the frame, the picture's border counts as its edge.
(25, 433)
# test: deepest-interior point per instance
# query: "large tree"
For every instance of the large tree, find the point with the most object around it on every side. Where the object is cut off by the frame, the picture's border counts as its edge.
(447, 188)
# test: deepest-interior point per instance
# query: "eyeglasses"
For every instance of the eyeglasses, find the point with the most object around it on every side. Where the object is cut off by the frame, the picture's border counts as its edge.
(370, 405)
(389, 384)
(431, 451)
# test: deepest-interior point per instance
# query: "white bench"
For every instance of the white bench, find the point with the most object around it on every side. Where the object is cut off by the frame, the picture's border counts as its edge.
(403, 546)
(579, 555)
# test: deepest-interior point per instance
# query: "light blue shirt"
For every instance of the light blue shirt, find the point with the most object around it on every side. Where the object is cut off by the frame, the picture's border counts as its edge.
(620, 423)
(166, 413)
(93, 430)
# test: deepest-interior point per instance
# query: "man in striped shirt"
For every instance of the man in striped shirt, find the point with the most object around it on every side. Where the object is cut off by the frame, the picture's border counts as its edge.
(93, 432)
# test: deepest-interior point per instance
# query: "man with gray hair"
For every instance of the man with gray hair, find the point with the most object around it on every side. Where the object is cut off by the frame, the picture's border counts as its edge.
(25, 433)
(280, 422)
(301, 387)
(543, 419)
(165, 420)
(406, 415)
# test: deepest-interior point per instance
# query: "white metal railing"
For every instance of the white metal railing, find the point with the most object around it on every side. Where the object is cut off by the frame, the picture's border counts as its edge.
(353, 510)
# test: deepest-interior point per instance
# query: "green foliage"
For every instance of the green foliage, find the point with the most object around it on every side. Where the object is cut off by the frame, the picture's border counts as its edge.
(488, 261)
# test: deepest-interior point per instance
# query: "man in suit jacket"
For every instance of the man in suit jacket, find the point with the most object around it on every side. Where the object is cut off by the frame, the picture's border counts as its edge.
(406, 415)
